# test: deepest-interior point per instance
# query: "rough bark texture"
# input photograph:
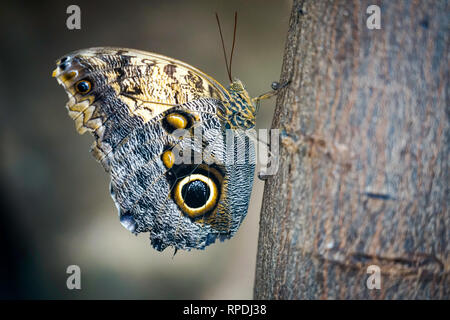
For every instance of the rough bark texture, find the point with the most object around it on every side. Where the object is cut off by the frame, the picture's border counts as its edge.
(364, 156)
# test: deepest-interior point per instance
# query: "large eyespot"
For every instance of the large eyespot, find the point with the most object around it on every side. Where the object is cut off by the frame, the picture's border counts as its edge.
(83, 86)
(196, 195)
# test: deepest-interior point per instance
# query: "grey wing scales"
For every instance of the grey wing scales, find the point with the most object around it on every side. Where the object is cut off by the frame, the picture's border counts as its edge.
(142, 186)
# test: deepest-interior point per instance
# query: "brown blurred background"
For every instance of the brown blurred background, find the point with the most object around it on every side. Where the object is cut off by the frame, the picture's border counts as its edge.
(55, 207)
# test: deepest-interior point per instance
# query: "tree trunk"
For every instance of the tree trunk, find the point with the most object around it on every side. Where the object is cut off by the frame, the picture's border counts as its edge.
(364, 154)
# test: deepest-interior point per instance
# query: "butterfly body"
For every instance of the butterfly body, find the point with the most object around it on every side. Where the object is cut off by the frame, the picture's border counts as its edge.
(145, 110)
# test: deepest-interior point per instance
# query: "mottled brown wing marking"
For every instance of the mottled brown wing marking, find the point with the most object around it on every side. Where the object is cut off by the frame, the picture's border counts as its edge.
(170, 70)
(195, 80)
(176, 97)
(130, 88)
(122, 52)
(149, 62)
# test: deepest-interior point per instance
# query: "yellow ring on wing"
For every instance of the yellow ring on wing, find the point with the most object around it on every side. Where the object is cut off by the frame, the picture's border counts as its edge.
(209, 204)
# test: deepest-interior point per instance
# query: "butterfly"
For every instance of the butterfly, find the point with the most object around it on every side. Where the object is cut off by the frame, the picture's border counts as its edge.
(172, 138)
(134, 103)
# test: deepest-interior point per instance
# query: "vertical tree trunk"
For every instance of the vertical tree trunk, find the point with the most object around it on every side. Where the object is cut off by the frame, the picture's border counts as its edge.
(364, 155)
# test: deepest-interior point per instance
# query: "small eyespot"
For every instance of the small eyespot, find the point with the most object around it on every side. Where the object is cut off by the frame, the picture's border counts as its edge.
(83, 86)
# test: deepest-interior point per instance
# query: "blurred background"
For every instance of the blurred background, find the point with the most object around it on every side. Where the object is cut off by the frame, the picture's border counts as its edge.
(55, 207)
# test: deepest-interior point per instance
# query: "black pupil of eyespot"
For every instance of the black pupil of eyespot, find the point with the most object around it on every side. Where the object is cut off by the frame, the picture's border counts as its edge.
(195, 193)
(83, 86)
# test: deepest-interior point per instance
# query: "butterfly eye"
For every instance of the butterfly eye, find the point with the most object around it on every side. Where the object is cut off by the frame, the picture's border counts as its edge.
(196, 195)
(83, 86)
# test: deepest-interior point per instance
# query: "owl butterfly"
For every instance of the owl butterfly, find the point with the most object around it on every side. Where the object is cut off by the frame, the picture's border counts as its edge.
(136, 104)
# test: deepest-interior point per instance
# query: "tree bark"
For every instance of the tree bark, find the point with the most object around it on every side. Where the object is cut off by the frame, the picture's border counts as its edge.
(364, 155)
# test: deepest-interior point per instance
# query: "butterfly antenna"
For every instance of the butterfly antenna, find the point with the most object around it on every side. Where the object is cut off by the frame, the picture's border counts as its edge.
(234, 41)
(223, 47)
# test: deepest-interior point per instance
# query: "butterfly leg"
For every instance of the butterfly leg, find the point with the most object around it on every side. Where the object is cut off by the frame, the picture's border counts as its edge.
(276, 87)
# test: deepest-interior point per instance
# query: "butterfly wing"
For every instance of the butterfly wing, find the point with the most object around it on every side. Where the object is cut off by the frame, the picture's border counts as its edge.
(145, 187)
(133, 102)
(143, 85)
